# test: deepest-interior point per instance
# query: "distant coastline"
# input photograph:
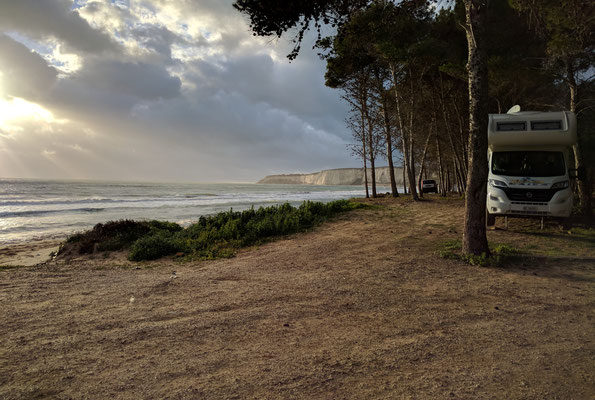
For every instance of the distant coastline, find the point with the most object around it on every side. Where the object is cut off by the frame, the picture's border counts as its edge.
(336, 177)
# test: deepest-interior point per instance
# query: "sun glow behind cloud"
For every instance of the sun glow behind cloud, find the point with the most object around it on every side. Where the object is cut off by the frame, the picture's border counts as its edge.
(15, 109)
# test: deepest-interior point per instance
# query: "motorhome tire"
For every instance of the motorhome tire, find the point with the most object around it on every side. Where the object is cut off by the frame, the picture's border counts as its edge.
(565, 223)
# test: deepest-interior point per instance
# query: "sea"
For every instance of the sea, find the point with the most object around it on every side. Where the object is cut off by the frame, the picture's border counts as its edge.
(52, 209)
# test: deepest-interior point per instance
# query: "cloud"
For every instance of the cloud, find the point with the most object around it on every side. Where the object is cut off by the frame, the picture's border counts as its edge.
(164, 90)
(54, 19)
(157, 39)
(23, 72)
(141, 80)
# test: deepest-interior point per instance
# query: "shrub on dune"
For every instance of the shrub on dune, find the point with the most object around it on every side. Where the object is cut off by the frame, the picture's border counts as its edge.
(210, 237)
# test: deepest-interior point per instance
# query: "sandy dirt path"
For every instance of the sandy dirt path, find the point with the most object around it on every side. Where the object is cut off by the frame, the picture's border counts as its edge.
(360, 308)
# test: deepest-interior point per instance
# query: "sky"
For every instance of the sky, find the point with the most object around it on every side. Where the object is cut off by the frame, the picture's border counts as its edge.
(159, 90)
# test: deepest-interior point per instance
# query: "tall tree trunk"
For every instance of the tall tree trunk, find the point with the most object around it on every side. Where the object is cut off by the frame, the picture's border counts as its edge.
(363, 119)
(441, 178)
(423, 165)
(372, 163)
(389, 148)
(405, 139)
(448, 186)
(412, 184)
(404, 178)
(370, 147)
(474, 233)
(407, 161)
(465, 164)
(411, 169)
(584, 186)
(457, 177)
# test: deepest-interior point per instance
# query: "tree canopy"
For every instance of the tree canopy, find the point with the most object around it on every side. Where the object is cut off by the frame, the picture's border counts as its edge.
(422, 78)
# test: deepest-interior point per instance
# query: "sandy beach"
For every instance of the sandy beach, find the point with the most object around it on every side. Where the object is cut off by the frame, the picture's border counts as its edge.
(29, 253)
(361, 307)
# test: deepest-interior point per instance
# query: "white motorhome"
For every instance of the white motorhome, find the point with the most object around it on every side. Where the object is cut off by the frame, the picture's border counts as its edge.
(529, 161)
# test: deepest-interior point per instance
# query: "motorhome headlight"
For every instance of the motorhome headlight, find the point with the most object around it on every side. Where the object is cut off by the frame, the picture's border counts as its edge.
(560, 185)
(497, 184)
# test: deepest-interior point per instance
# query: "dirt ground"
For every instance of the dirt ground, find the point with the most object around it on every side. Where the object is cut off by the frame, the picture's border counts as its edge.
(360, 308)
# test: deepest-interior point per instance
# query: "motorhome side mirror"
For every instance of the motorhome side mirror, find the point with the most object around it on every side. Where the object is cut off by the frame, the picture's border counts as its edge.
(577, 173)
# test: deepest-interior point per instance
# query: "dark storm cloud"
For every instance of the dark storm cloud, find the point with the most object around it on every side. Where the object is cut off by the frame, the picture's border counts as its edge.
(262, 137)
(42, 19)
(24, 73)
(297, 87)
(141, 80)
(157, 39)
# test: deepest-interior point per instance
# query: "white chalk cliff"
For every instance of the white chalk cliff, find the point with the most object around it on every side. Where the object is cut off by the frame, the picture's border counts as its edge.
(340, 176)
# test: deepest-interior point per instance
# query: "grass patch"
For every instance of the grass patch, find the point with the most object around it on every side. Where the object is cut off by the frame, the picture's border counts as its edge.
(451, 249)
(501, 254)
(584, 235)
(575, 242)
(217, 236)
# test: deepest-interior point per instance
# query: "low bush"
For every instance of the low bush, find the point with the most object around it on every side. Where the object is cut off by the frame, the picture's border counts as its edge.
(116, 235)
(154, 246)
(218, 235)
(210, 237)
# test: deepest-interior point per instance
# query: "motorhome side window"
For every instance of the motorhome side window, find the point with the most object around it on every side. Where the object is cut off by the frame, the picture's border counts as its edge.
(546, 125)
(511, 126)
(528, 163)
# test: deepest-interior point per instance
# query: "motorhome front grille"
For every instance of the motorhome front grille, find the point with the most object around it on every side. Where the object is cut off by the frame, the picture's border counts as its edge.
(530, 195)
(544, 213)
(528, 203)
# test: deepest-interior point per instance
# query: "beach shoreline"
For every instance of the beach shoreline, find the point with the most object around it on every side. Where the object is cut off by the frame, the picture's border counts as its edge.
(33, 210)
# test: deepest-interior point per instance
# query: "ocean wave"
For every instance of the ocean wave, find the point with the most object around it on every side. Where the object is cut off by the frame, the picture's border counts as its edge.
(45, 207)
(197, 195)
(31, 213)
(51, 202)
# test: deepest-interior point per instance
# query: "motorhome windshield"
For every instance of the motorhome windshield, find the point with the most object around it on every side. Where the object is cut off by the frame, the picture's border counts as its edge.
(528, 163)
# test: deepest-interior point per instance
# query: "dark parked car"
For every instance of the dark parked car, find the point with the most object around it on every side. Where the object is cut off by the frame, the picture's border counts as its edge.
(429, 186)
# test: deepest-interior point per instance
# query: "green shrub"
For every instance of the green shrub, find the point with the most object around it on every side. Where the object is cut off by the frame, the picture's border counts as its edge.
(117, 235)
(216, 236)
(154, 246)
(164, 226)
(221, 234)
